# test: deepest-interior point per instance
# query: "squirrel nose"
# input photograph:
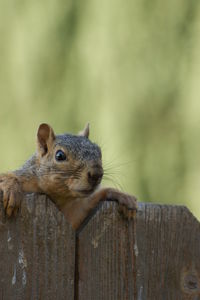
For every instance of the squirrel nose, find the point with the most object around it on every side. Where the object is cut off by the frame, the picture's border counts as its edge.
(95, 176)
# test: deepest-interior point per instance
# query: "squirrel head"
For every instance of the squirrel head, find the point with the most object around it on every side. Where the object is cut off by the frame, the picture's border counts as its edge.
(67, 164)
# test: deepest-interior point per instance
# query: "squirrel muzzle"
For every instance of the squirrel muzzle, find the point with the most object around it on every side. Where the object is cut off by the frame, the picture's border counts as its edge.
(95, 175)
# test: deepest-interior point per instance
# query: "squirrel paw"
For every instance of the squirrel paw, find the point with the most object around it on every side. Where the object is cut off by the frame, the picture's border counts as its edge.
(127, 203)
(11, 194)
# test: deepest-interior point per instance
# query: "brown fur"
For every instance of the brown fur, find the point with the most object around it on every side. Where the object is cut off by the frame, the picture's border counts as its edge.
(67, 183)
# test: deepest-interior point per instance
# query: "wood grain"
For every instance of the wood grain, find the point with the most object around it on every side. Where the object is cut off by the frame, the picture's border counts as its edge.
(155, 255)
(37, 252)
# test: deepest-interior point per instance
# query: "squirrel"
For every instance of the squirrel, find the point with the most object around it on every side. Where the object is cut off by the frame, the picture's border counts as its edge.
(68, 169)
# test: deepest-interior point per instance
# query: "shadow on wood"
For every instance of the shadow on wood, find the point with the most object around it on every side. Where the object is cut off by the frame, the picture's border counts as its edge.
(154, 256)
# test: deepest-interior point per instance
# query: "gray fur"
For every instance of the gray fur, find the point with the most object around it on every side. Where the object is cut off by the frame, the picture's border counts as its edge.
(28, 169)
(79, 147)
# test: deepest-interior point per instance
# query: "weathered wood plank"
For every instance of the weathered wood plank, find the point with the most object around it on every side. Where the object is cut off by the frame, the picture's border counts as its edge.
(155, 256)
(168, 253)
(106, 257)
(37, 253)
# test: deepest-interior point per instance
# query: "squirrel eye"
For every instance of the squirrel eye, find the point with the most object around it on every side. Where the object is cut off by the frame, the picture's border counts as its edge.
(60, 155)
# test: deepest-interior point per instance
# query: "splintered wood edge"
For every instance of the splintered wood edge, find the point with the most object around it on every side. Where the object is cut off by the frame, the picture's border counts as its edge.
(32, 204)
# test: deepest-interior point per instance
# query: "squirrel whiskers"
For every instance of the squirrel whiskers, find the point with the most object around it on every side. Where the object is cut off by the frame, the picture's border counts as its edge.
(67, 168)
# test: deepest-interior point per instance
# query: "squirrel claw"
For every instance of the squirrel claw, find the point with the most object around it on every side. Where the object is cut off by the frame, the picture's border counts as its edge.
(9, 211)
(128, 206)
(127, 203)
(11, 192)
(126, 212)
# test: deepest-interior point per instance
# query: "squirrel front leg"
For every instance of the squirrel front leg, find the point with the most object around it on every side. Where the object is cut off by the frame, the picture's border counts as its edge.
(11, 193)
(12, 186)
(76, 211)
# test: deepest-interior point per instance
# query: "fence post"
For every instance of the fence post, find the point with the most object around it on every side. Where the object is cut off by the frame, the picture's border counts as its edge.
(153, 256)
(37, 253)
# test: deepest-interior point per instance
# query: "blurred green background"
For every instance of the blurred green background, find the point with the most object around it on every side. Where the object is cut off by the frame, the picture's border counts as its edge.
(131, 68)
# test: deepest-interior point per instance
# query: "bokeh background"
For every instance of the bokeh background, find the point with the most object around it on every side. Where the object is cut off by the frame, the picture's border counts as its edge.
(131, 68)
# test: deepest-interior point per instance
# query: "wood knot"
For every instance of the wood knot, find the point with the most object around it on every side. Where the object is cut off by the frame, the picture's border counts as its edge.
(191, 282)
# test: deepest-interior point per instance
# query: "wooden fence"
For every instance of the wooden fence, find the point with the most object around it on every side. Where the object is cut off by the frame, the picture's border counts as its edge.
(155, 256)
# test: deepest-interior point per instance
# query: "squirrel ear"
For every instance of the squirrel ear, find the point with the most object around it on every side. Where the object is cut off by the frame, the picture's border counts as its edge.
(45, 138)
(86, 131)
